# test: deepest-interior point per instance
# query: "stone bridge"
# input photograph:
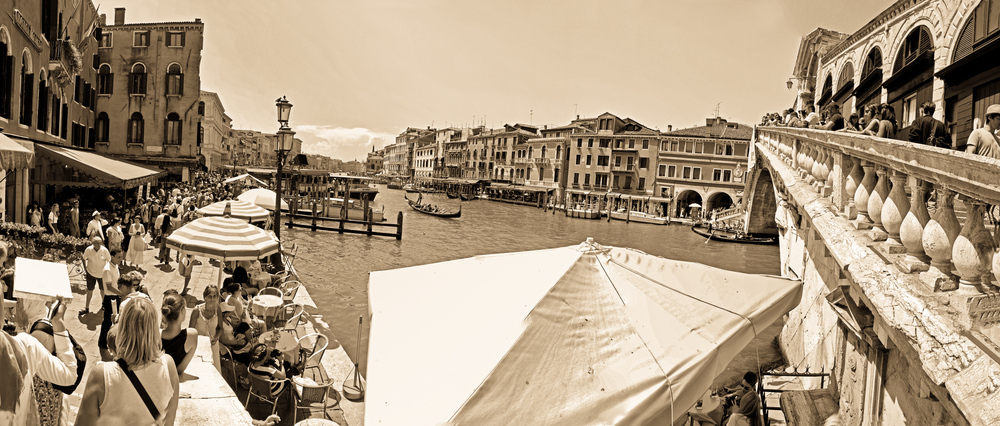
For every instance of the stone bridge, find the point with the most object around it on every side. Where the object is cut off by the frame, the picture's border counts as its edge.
(900, 302)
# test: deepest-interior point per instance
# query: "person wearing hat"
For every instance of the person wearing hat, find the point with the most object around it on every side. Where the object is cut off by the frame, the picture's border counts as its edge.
(982, 141)
(96, 226)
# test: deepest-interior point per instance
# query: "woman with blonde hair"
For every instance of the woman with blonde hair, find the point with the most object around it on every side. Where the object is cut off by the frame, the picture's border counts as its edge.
(132, 390)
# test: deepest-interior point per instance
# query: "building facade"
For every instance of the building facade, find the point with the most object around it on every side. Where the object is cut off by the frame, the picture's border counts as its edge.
(148, 93)
(213, 130)
(703, 166)
(373, 163)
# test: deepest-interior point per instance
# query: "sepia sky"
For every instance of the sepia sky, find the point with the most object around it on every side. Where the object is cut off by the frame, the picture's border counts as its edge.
(358, 72)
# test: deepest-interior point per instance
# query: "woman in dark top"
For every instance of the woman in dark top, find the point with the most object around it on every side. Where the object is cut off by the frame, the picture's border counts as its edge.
(178, 342)
(262, 364)
(165, 230)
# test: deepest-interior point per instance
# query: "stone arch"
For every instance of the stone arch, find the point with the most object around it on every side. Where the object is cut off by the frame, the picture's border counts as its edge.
(4, 35)
(719, 199)
(897, 43)
(761, 204)
(961, 16)
(684, 200)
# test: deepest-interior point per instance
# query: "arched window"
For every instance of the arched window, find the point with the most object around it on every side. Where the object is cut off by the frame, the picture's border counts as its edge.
(917, 44)
(827, 93)
(558, 152)
(136, 127)
(43, 102)
(102, 125)
(543, 151)
(173, 128)
(105, 80)
(529, 152)
(175, 80)
(201, 108)
(27, 89)
(137, 80)
(6, 76)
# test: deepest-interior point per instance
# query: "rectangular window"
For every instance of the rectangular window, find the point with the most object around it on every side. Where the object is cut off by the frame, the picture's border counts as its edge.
(590, 143)
(631, 143)
(689, 147)
(699, 148)
(588, 160)
(696, 173)
(614, 181)
(137, 84)
(140, 39)
(643, 163)
(605, 143)
(671, 171)
(586, 179)
(618, 161)
(642, 184)
(602, 160)
(105, 42)
(645, 144)
(727, 175)
(673, 146)
(577, 158)
(576, 178)
(555, 175)
(662, 170)
(628, 182)
(687, 173)
(716, 175)
(173, 132)
(579, 144)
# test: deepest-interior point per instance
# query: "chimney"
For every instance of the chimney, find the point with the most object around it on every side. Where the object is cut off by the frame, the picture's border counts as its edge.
(104, 19)
(119, 16)
(670, 128)
(578, 116)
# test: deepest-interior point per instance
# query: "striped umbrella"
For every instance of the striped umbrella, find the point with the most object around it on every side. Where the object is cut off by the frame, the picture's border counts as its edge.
(239, 209)
(223, 238)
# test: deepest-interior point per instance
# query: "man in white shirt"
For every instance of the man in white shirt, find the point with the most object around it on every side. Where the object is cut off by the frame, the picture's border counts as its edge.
(812, 118)
(96, 226)
(95, 258)
(111, 297)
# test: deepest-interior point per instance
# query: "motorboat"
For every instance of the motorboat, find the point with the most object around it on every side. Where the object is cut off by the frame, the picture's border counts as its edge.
(353, 187)
(636, 216)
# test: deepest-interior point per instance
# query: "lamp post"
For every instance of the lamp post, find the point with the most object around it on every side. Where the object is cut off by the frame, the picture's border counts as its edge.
(285, 141)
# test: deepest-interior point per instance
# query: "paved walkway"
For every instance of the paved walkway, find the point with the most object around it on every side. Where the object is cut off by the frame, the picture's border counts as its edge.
(159, 278)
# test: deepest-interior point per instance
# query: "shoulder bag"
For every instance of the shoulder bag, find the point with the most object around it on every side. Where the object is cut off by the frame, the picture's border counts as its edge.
(138, 388)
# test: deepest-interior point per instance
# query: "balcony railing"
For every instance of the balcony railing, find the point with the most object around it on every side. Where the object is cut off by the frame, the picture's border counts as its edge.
(623, 168)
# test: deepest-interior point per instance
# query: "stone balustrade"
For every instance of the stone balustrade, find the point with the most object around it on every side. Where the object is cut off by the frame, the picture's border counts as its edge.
(884, 184)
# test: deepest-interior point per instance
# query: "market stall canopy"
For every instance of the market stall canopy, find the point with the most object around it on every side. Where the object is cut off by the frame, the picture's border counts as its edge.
(581, 335)
(261, 197)
(104, 171)
(223, 238)
(238, 209)
(41, 280)
(13, 155)
(247, 180)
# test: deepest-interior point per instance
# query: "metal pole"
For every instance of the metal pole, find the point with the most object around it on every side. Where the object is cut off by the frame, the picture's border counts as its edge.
(277, 197)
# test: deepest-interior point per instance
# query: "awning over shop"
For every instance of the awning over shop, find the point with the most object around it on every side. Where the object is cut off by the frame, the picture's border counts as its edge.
(103, 171)
(13, 155)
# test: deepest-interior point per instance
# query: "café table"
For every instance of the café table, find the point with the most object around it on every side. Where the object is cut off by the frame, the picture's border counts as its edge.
(284, 341)
(710, 412)
(266, 305)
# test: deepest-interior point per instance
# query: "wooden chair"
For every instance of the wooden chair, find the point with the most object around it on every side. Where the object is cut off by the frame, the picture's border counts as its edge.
(309, 395)
(260, 387)
(314, 351)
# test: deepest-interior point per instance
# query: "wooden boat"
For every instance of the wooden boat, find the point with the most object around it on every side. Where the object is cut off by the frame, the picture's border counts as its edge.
(583, 213)
(357, 186)
(634, 216)
(452, 194)
(732, 237)
(467, 197)
(427, 209)
(410, 188)
(394, 186)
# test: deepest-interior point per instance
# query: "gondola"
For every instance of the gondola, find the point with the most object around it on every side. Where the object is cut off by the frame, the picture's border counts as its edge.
(467, 197)
(731, 237)
(452, 194)
(423, 208)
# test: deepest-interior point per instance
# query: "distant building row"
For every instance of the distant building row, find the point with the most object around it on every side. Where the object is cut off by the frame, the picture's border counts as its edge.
(701, 165)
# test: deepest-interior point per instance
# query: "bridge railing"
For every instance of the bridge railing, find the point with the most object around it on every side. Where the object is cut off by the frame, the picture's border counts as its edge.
(885, 185)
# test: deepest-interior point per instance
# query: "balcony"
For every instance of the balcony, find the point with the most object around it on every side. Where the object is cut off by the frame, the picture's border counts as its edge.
(63, 62)
(522, 161)
(624, 147)
(623, 168)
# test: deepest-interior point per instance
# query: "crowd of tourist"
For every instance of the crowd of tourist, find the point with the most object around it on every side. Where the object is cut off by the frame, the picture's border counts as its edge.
(880, 120)
(146, 349)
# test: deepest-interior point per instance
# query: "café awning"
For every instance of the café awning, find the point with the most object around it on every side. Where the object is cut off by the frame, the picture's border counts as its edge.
(13, 155)
(102, 171)
(580, 335)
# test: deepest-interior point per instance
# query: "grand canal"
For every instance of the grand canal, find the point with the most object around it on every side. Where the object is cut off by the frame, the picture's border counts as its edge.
(335, 267)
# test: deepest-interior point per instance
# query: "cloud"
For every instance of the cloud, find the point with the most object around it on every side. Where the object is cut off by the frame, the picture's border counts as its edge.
(340, 142)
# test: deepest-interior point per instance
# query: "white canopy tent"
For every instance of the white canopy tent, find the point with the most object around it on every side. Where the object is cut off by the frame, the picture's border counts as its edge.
(575, 336)
(247, 179)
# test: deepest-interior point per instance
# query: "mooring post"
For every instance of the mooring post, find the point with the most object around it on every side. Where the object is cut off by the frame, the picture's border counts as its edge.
(399, 226)
(343, 216)
(364, 206)
(371, 218)
(314, 216)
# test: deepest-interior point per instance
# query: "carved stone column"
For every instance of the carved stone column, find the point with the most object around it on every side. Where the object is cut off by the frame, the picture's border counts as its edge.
(807, 166)
(938, 240)
(851, 187)
(996, 257)
(974, 248)
(817, 169)
(828, 179)
(911, 231)
(862, 194)
(894, 210)
(875, 202)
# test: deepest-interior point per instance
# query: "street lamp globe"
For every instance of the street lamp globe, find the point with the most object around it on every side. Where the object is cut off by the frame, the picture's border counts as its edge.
(286, 138)
(789, 84)
(284, 110)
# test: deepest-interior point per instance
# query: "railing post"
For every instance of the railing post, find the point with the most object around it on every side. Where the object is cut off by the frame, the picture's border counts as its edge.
(938, 240)
(875, 203)
(314, 214)
(399, 226)
(972, 253)
(894, 210)
(862, 194)
(911, 231)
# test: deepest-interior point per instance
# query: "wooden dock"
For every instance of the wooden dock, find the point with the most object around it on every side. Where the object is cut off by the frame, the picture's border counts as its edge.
(368, 226)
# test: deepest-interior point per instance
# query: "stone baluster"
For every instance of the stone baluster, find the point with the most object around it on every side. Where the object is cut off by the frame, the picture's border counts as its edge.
(827, 171)
(911, 231)
(894, 209)
(851, 187)
(862, 195)
(806, 165)
(973, 250)
(996, 256)
(816, 171)
(938, 240)
(875, 202)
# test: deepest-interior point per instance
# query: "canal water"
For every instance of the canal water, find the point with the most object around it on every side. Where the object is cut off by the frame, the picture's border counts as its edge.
(335, 267)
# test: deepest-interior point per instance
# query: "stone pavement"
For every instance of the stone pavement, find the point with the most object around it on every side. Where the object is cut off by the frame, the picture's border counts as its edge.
(199, 395)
